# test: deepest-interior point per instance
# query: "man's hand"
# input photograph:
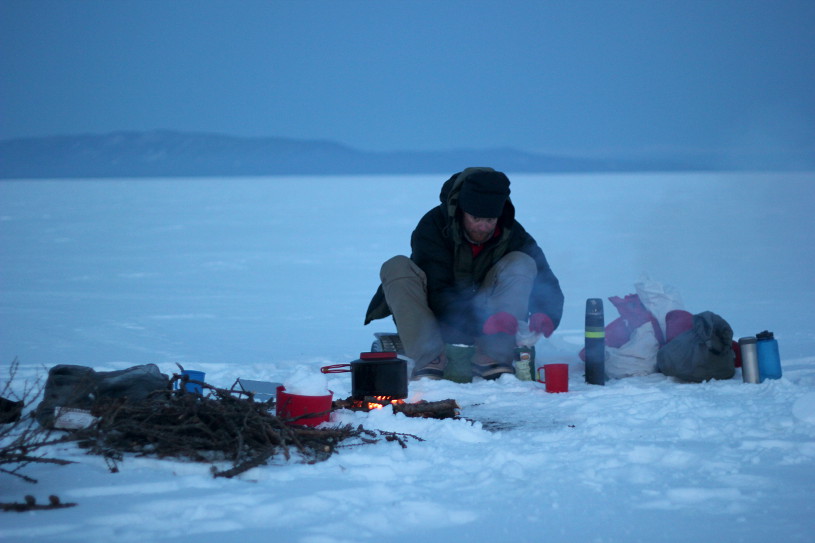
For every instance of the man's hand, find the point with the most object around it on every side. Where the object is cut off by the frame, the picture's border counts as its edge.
(501, 322)
(541, 324)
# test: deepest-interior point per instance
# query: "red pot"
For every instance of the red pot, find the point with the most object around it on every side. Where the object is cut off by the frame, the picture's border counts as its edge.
(292, 406)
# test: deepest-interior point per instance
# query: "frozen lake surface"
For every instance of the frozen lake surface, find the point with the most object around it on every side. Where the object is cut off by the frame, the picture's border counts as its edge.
(263, 277)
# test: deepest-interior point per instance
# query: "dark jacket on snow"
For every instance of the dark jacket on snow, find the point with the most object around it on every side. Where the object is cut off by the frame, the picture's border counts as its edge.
(454, 276)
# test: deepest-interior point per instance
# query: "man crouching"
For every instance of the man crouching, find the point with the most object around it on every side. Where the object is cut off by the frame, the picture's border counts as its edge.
(473, 274)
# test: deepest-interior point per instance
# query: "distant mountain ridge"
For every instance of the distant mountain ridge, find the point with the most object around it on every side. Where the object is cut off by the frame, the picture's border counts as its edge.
(180, 154)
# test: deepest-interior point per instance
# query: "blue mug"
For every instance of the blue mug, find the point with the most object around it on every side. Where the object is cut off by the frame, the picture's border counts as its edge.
(194, 375)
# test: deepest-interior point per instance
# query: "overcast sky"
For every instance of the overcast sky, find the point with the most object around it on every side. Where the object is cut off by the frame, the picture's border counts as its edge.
(582, 77)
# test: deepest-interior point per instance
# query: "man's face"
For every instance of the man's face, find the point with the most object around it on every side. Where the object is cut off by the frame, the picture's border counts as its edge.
(479, 229)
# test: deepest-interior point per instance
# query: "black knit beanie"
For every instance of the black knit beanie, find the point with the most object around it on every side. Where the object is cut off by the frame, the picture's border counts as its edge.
(483, 193)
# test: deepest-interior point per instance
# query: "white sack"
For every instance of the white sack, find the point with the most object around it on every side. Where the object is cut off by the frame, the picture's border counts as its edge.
(658, 299)
(636, 357)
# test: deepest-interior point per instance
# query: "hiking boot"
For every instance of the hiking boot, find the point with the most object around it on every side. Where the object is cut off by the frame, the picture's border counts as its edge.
(489, 368)
(432, 370)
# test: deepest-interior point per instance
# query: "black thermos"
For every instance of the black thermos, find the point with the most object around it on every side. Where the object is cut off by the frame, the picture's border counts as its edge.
(595, 342)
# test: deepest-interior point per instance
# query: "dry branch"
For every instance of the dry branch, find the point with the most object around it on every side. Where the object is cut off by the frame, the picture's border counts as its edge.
(21, 439)
(207, 429)
(30, 504)
(219, 426)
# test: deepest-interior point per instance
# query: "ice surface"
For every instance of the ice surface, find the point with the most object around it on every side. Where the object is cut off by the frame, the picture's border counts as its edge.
(269, 279)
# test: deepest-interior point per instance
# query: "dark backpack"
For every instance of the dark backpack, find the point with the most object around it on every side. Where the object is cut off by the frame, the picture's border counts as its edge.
(701, 353)
(81, 387)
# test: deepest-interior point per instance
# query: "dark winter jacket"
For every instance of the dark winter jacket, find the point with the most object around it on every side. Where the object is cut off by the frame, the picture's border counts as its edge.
(454, 275)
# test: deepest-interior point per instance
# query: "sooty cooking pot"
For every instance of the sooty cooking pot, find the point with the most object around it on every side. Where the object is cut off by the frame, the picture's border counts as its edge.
(375, 374)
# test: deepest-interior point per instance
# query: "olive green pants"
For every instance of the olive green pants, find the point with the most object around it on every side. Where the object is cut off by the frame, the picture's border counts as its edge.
(506, 287)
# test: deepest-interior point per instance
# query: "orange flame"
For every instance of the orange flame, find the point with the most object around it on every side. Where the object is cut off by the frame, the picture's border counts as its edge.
(382, 401)
(376, 402)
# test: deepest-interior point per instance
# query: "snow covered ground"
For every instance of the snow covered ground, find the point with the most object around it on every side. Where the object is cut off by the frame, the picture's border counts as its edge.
(263, 278)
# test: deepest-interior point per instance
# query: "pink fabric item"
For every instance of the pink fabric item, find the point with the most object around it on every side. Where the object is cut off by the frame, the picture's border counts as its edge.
(541, 324)
(501, 322)
(632, 315)
(617, 333)
(631, 310)
(677, 322)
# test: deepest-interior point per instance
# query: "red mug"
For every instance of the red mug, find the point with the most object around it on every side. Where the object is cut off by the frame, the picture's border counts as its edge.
(556, 377)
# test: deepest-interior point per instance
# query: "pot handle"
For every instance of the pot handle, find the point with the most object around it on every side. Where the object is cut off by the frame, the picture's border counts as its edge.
(335, 368)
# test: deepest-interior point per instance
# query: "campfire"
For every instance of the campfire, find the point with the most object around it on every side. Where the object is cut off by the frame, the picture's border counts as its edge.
(379, 379)
(375, 402)
(443, 409)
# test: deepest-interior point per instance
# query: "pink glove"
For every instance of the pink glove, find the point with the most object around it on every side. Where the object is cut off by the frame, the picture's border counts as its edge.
(542, 324)
(501, 322)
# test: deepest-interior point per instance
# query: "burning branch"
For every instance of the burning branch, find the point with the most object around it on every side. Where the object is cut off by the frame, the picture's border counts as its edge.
(444, 409)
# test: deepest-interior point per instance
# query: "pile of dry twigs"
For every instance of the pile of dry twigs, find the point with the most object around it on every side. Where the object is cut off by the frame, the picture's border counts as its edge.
(218, 427)
(21, 440)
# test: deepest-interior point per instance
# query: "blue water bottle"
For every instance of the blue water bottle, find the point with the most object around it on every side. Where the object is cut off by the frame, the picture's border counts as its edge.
(769, 363)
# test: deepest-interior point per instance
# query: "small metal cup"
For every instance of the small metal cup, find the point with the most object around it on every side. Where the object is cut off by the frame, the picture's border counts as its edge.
(749, 359)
